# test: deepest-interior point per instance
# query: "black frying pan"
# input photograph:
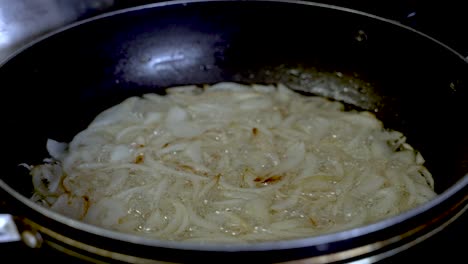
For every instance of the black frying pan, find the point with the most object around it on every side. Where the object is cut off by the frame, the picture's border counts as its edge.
(412, 82)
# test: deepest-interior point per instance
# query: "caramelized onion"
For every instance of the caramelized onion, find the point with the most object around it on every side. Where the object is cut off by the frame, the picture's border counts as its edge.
(232, 163)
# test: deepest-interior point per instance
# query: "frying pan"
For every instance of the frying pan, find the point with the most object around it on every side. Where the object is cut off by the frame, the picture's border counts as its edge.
(414, 83)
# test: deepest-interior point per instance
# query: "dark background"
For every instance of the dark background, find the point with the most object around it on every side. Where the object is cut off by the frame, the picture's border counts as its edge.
(446, 21)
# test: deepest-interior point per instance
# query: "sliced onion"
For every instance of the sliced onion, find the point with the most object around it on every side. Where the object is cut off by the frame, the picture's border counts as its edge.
(232, 163)
(56, 149)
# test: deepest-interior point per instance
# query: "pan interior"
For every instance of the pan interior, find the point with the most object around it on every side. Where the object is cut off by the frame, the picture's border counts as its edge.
(412, 83)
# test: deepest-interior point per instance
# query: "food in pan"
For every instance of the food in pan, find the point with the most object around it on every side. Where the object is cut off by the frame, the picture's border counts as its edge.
(232, 163)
